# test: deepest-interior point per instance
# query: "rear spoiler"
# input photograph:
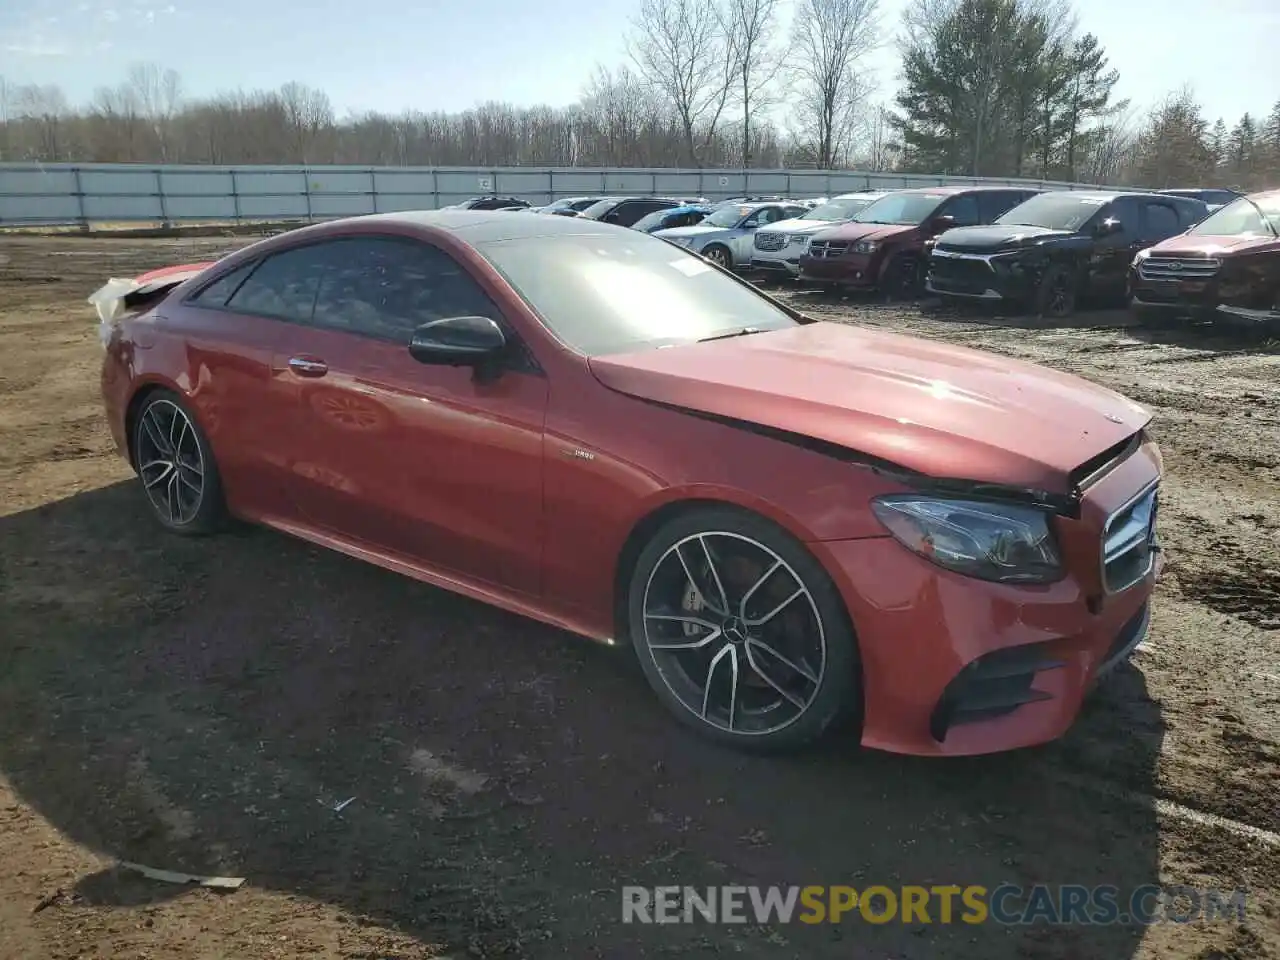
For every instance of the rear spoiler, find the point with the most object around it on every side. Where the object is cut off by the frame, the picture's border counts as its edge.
(119, 295)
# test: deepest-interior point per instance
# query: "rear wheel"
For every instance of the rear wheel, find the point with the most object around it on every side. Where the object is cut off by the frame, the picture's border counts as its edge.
(175, 466)
(740, 632)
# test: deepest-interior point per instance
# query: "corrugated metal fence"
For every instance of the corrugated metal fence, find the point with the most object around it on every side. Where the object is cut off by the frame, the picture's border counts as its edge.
(95, 193)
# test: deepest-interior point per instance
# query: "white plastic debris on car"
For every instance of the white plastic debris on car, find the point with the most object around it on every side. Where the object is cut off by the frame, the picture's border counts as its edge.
(108, 300)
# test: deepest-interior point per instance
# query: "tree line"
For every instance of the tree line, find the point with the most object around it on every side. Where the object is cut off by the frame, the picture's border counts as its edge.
(999, 88)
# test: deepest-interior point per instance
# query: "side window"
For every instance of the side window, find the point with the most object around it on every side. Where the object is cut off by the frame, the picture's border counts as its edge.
(1159, 221)
(384, 288)
(964, 208)
(768, 215)
(790, 213)
(993, 203)
(217, 293)
(284, 286)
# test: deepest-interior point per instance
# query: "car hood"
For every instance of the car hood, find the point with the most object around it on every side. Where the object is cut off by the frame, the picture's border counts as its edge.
(944, 411)
(797, 225)
(996, 235)
(849, 230)
(1188, 245)
(697, 230)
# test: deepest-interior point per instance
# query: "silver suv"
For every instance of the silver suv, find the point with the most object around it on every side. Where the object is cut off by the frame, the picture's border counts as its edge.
(777, 249)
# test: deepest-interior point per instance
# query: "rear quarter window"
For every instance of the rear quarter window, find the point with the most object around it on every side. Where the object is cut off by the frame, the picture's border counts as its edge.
(217, 293)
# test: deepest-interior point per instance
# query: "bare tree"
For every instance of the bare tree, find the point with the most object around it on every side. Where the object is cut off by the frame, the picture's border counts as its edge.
(308, 115)
(749, 27)
(831, 38)
(678, 47)
(157, 96)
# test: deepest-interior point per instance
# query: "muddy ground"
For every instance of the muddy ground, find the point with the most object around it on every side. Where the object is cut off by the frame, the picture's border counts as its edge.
(204, 706)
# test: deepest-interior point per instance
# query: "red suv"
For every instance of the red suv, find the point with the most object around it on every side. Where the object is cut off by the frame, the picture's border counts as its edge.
(882, 247)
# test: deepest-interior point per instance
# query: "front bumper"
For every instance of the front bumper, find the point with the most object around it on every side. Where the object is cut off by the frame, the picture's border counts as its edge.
(850, 270)
(778, 267)
(954, 666)
(976, 277)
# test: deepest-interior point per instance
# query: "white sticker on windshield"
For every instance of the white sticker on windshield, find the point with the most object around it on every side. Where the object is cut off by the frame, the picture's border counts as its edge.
(691, 266)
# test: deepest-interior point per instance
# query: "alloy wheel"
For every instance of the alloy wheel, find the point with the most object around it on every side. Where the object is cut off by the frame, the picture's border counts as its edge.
(719, 256)
(734, 633)
(1059, 301)
(170, 462)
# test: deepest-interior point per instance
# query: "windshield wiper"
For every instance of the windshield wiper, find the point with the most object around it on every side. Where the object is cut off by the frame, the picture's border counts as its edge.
(740, 332)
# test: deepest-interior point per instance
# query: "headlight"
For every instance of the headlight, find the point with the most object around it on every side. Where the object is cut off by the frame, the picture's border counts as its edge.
(801, 238)
(865, 246)
(1003, 543)
(1142, 255)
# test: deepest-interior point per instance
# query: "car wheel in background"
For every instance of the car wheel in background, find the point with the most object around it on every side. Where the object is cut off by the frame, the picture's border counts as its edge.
(175, 466)
(719, 255)
(1056, 294)
(903, 278)
(740, 631)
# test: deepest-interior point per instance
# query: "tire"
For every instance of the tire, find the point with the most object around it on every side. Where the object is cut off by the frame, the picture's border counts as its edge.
(1055, 296)
(719, 255)
(902, 278)
(175, 466)
(760, 679)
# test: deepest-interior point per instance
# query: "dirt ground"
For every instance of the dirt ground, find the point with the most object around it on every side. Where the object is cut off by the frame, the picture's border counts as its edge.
(204, 706)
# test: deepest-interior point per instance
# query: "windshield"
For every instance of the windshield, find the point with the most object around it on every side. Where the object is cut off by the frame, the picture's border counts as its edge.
(1053, 211)
(600, 208)
(1242, 217)
(901, 208)
(726, 217)
(607, 294)
(837, 209)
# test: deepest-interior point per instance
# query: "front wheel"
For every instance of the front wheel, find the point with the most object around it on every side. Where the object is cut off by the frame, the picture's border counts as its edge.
(1056, 294)
(175, 466)
(720, 256)
(740, 631)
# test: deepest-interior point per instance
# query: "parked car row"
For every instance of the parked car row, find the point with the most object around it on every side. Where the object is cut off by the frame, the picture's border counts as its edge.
(1170, 252)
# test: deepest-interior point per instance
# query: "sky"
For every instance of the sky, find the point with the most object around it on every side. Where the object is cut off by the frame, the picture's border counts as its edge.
(439, 55)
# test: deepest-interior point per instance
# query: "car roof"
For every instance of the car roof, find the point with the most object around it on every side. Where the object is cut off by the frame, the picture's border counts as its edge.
(484, 226)
(684, 208)
(860, 195)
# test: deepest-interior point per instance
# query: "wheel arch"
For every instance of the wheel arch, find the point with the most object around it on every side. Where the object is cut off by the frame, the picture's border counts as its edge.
(651, 521)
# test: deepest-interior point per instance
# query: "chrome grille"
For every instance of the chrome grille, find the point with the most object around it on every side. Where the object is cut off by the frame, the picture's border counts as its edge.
(828, 248)
(1177, 268)
(770, 241)
(1129, 542)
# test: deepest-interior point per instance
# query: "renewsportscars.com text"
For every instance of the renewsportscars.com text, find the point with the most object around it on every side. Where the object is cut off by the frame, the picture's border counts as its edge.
(1066, 904)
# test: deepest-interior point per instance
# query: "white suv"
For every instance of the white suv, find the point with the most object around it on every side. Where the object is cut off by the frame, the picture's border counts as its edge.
(776, 249)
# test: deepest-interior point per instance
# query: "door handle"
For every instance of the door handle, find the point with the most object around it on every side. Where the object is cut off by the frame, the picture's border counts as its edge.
(308, 367)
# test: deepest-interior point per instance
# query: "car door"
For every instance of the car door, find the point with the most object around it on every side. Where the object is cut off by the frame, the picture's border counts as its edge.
(429, 463)
(232, 328)
(1116, 230)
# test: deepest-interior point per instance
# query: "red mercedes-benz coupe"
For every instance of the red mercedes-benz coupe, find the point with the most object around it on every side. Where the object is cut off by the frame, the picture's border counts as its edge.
(793, 522)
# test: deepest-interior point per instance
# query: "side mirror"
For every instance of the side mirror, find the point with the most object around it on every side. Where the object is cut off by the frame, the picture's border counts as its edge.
(457, 342)
(750, 223)
(1108, 227)
(939, 224)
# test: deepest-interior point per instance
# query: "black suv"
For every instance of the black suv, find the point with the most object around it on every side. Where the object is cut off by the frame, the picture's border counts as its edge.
(625, 211)
(491, 203)
(1057, 248)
